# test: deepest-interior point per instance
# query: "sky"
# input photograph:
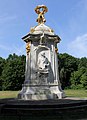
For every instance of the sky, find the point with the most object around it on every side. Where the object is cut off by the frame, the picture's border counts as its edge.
(68, 18)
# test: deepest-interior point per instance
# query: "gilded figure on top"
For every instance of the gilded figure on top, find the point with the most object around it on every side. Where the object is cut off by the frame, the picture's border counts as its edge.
(41, 18)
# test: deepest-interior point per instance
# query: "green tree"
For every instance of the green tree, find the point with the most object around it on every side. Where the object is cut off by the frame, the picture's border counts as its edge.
(84, 79)
(2, 63)
(82, 63)
(13, 73)
(78, 78)
(67, 64)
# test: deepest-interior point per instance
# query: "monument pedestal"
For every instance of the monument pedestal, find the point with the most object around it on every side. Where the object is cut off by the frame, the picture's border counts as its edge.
(39, 92)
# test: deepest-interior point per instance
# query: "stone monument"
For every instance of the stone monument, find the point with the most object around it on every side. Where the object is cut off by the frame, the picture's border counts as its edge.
(41, 75)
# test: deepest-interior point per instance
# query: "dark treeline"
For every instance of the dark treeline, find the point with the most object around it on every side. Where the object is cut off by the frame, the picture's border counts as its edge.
(73, 72)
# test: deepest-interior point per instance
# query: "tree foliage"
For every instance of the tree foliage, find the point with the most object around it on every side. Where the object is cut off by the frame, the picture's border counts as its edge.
(2, 62)
(13, 72)
(67, 64)
(72, 72)
(79, 78)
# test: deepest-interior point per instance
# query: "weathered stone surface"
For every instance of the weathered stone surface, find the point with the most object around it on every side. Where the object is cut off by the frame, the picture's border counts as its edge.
(41, 75)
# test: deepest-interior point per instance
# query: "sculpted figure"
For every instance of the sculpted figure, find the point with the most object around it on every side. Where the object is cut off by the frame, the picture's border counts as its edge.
(43, 63)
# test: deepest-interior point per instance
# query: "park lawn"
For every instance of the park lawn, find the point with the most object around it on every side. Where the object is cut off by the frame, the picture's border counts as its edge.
(8, 94)
(76, 93)
(69, 93)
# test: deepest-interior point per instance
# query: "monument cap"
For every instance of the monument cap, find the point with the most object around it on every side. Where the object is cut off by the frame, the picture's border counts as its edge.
(41, 28)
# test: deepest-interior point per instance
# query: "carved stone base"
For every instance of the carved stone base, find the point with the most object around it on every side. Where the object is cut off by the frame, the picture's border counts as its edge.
(35, 97)
(37, 92)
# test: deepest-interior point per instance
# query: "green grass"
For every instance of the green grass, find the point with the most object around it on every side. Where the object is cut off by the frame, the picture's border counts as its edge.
(69, 93)
(76, 93)
(8, 94)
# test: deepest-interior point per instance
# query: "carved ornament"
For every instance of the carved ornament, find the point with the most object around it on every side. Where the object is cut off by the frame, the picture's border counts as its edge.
(56, 49)
(40, 13)
(28, 47)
